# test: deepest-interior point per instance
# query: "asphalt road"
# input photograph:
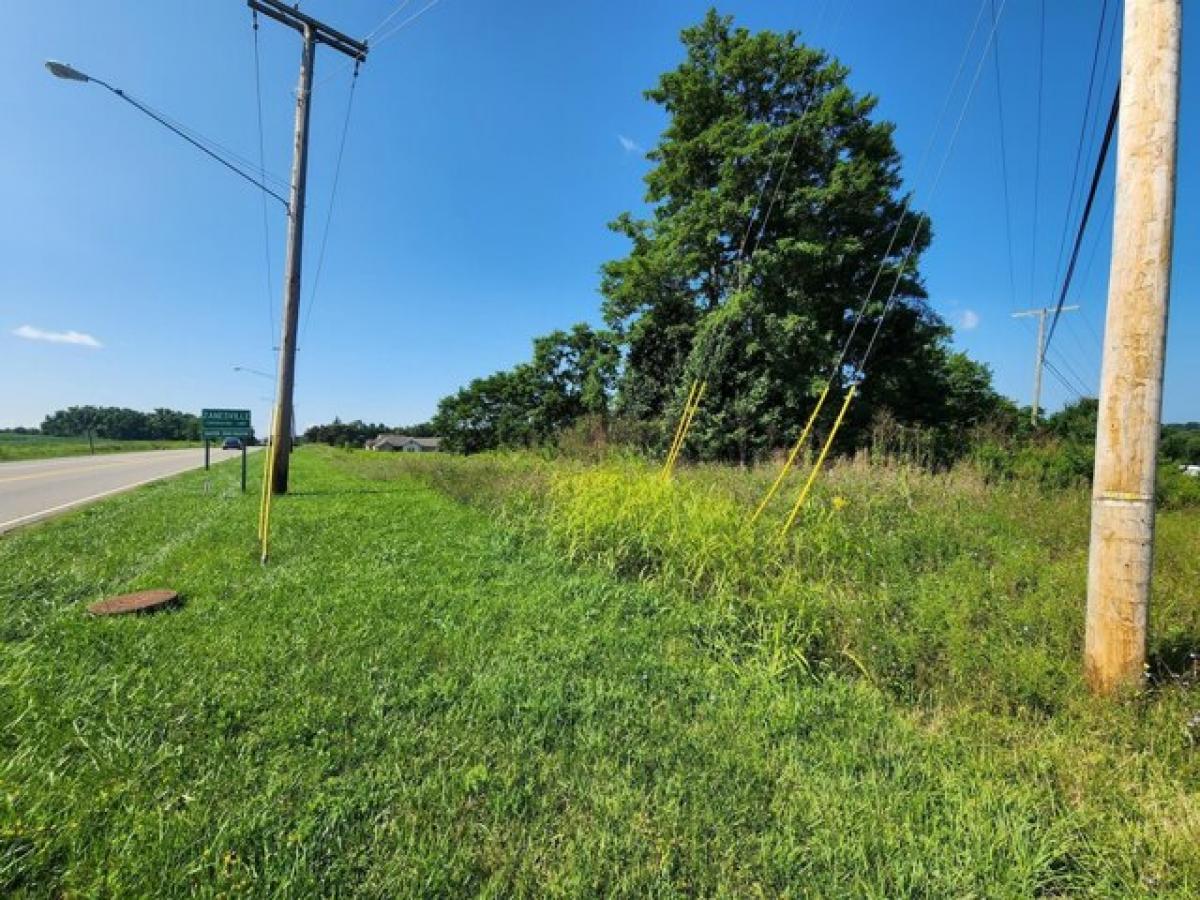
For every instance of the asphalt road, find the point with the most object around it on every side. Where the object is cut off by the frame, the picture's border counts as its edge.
(37, 488)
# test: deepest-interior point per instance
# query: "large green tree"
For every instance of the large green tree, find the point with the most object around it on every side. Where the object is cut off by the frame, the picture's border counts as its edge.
(572, 374)
(775, 197)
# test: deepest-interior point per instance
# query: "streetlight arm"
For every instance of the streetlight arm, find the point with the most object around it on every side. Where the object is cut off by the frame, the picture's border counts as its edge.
(62, 70)
(257, 372)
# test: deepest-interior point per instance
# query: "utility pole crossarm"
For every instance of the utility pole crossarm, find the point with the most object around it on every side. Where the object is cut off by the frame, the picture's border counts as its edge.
(1039, 359)
(1041, 312)
(306, 24)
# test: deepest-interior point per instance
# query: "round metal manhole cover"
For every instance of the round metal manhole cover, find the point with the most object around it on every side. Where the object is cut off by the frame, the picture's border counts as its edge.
(142, 601)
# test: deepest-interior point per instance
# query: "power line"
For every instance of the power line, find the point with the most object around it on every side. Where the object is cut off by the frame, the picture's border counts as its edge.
(925, 155)
(1078, 379)
(1062, 379)
(1012, 277)
(262, 171)
(862, 362)
(1087, 357)
(395, 12)
(1087, 209)
(1037, 143)
(386, 36)
(795, 118)
(861, 366)
(797, 123)
(859, 372)
(337, 171)
(1087, 106)
(404, 24)
(1097, 243)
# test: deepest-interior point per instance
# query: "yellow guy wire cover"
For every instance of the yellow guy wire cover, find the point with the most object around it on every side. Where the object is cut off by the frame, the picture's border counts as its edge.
(791, 460)
(681, 431)
(812, 476)
(262, 494)
(262, 500)
(266, 519)
(687, 425)
(679, 428)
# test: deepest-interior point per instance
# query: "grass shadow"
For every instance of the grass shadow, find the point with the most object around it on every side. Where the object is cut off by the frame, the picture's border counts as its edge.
(1176, 660)
(344, 492)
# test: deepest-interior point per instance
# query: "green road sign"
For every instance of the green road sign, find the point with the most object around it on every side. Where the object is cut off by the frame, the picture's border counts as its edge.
(223, 423)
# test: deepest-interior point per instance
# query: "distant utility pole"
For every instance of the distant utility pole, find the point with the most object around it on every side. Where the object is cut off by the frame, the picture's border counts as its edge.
(1122, 539)
(314, 33)
(1040, 357)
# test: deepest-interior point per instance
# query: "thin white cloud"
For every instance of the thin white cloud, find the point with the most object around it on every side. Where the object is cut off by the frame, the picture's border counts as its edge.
(969, 320)
(29, 333)
(629, 145)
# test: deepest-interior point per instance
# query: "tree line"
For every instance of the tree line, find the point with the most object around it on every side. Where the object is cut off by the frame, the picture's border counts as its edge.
(354, 434)
(121, 423)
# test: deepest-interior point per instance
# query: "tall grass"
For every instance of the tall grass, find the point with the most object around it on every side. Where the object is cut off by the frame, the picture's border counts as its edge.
(961, 600)
(930, 585)
(43, 446)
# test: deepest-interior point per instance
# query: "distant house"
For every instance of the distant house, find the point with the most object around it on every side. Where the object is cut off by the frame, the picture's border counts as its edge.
(1193, 471)
(403, 443)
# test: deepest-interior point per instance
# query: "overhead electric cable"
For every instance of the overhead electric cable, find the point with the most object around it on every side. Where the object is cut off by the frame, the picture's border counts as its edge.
(1097, 243)
(337, 171)
(794, 118)
(1087, 209)
(1012, 275)
(395, 29)
(1062, 379)
(937, 180)
(1037, 152)
(386, 36)
(786, 165)
(378, 28)
(1083, 124)
(925, 158)
(262, 173)
(1088, 357)
(860, 368)
(1079, 380)
(692, 407)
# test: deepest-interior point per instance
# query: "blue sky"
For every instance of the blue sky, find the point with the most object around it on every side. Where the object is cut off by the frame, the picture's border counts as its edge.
(490, 144)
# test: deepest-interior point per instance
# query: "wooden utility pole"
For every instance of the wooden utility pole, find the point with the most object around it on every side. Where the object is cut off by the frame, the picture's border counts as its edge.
(314, 33)
(1039, 359)
(1122, 539)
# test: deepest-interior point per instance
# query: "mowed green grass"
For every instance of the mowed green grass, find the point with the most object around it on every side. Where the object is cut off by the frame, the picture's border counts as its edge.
(42, 446)
(421, 697)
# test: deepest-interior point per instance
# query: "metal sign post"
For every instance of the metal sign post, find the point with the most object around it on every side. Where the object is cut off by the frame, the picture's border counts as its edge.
(226, 423)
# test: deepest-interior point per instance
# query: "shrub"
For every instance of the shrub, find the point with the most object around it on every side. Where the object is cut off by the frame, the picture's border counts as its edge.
(1176, 490)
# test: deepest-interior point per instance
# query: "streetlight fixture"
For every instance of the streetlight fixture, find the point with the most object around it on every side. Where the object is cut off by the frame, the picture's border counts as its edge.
(68, 72)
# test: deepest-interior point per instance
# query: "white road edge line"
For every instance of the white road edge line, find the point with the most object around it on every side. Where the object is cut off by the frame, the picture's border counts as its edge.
(44, 513)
